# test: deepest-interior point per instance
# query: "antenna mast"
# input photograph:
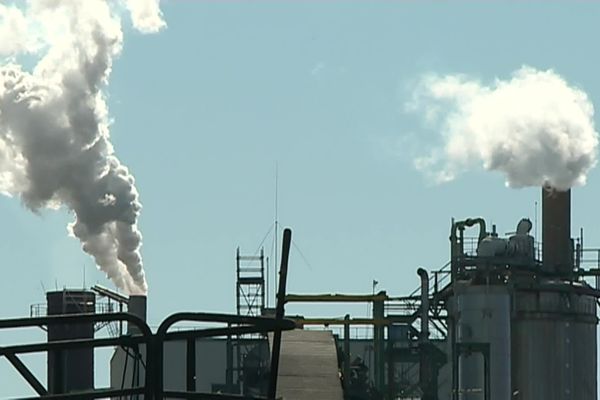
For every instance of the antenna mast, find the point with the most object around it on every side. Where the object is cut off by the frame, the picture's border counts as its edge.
(276, 224)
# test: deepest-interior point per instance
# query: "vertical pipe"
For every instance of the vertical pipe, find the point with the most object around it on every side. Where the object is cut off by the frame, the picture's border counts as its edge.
(191, 365)
(229, 373)
(425, 362)
(347, 350)
(557, 255)
(424, 335)
(279, 312)
(379, 342)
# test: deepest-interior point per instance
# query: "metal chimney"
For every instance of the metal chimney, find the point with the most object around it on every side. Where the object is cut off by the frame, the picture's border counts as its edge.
(136, 305)
(557, 252)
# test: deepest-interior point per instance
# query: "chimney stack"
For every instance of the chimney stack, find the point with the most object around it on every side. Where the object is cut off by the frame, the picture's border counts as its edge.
(136, 306)
(557, 252)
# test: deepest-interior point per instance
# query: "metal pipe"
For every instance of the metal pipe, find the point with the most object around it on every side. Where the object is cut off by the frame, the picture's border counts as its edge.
(467, 223)
(191, 365)
(279, 312)
(258, 325)
(379, 345)
(347, 359)
(424, 336)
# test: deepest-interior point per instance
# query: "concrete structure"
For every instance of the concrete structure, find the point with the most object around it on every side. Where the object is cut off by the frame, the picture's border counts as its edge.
(308, 367)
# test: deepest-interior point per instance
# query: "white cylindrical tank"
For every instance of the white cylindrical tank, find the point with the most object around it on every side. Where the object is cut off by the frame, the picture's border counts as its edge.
(483, 320)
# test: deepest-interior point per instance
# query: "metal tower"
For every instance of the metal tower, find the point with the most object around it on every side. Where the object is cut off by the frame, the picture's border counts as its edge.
(250, 301)
(250, 284)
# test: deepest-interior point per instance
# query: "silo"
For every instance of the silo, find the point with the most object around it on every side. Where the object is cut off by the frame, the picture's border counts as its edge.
(483, 333)
(554, 318)
(70, 370)
(554, 344)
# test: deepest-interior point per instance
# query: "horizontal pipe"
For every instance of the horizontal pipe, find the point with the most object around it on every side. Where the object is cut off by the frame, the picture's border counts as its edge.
(264, 323)
(127, 341)
(226, 331)
(75, 318)
(96, 394)
(208, 396)
(335, 298)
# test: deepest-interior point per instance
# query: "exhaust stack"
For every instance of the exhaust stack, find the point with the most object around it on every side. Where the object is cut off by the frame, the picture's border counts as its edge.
(136, 306)
(557, 252)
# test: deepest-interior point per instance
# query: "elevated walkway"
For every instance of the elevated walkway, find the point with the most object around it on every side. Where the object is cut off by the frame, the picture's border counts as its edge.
(308, 368)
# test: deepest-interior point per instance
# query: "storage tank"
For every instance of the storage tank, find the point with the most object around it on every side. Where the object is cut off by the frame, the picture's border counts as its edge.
(554, 344)
(72, 369)
(483, 332)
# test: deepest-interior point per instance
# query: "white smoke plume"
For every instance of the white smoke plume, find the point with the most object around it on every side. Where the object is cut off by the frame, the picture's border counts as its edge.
(55, 148)
(534, 128)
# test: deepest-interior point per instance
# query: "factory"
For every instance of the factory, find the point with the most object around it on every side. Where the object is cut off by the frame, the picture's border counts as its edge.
(506, 318)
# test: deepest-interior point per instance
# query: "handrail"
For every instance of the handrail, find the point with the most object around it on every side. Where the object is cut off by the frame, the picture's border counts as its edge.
(252, 325)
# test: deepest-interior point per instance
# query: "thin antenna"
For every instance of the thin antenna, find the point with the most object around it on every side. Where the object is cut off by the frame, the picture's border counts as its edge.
(276, 223)
(268, 273)
(83, 277)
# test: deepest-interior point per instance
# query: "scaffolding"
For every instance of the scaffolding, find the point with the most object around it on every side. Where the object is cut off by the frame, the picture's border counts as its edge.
(250, 290)
(250, 302)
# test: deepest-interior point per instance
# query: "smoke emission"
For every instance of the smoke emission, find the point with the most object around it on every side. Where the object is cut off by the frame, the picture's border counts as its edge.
(534, 128)
(55, 148)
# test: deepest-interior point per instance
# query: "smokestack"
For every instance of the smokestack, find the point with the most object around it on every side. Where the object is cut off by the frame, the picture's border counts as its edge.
(557, 252)
(137, 307)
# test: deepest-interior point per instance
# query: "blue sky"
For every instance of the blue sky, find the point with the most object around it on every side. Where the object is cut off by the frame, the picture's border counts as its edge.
(204, 110)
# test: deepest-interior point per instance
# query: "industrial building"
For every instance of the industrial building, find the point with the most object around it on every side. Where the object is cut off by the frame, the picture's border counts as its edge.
(506, 318)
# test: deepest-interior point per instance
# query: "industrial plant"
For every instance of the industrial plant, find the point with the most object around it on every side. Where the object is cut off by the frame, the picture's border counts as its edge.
(506, 318)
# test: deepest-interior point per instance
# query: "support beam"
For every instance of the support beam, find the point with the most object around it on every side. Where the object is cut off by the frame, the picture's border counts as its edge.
(26, 374)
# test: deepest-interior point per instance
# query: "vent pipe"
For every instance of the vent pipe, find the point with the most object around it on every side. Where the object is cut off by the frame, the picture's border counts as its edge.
(424, 304)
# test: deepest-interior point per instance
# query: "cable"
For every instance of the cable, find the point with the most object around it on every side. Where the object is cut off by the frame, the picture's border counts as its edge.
(302, 255)
(264, 238)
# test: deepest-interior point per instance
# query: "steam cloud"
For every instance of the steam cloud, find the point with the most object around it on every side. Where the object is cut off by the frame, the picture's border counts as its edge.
(55, 145)
(534, 128)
